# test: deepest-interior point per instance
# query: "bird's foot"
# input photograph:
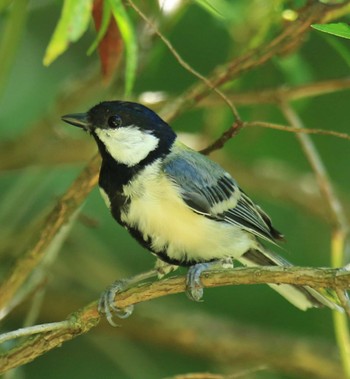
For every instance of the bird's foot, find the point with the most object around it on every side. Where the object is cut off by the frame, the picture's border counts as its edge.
(107, 304)
(194, 287)
(164, 268)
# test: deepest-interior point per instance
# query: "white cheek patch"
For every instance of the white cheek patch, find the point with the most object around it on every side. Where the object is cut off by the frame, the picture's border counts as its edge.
(128, 145)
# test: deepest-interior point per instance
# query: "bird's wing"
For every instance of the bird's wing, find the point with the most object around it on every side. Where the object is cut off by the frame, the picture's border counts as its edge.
(209, 190)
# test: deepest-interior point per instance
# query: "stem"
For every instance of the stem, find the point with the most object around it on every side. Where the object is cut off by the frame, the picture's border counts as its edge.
(341, 327)
(36, 329)
(11, 38)
(338, 222)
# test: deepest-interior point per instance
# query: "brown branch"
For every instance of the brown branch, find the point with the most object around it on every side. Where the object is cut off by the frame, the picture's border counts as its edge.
(291, 129)
(289, 39)
(88, 317)
(276, 95)
(60, 215)
(241, 374)
(214, 338)
(81, 322)
(226, 136)
(200, 375)
(284, 42)
(314, 277)
(237, 126)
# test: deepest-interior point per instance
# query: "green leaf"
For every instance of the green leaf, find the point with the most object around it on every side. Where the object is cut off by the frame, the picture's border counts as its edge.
(338, 29)
(340, 47)
(106, 16)
(129, 37)
(207, 5)
(71, 26)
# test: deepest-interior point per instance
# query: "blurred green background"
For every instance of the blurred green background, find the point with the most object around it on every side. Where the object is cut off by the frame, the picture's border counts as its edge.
(40, 156)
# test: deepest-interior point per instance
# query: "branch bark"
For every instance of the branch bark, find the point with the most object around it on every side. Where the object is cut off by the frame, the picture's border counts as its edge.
(83, 320)
(60, 215)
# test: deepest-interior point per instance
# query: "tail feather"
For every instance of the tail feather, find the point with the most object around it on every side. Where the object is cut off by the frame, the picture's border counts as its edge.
(303, 297)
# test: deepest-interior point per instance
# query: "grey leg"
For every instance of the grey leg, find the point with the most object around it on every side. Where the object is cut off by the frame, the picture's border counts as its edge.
(194, 287)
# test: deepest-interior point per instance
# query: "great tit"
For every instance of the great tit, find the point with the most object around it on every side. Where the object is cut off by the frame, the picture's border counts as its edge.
(180, 205)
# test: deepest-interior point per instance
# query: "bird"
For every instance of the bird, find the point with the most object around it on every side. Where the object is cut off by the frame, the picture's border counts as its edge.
(179, 204)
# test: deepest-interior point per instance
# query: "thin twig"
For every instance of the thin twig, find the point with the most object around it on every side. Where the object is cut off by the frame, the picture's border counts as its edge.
(183, 63)
(276, 95)
(344, 299)
(236, 127)
(291, 129)
(36, 329)
(338, 221)
(338, 216)
(207, 375)
(226, 136)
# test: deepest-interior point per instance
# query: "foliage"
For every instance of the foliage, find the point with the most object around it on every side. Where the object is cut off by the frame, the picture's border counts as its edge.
(339, 29)
(273, 71)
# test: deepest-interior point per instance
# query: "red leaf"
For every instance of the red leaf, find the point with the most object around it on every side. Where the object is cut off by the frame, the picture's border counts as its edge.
(111, 46)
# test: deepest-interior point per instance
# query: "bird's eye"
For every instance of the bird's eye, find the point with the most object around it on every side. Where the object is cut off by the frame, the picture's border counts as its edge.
(115, 121)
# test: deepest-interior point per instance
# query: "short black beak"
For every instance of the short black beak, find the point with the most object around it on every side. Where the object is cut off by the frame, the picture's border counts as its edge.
(80, 120)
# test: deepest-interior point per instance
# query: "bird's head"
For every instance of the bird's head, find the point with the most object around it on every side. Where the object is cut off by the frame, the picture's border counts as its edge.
(124, 131)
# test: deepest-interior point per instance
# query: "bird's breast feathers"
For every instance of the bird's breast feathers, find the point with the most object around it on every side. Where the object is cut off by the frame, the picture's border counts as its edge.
(160, 214)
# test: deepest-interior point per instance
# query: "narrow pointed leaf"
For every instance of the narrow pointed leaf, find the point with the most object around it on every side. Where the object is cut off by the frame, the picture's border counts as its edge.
(338, 29)
(207, 5)
(71, 26)
(128, 34)
(101, 23)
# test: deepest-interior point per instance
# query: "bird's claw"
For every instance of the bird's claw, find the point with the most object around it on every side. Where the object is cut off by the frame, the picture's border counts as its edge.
(107, 305)
(194, 287)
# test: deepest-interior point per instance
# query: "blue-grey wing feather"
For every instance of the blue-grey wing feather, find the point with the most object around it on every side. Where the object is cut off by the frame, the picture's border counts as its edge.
(203, 183)
(209, 190)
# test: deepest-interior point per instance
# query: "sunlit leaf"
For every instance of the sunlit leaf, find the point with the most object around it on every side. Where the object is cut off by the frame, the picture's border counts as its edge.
(128, 34)
(72, 24)
(338, 29)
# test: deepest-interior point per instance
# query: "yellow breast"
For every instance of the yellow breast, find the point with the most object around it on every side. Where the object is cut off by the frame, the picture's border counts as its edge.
(159, 212)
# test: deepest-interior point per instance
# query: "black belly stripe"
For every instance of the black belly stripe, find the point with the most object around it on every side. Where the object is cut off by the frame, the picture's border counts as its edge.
(183, 263)
(162, 255)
